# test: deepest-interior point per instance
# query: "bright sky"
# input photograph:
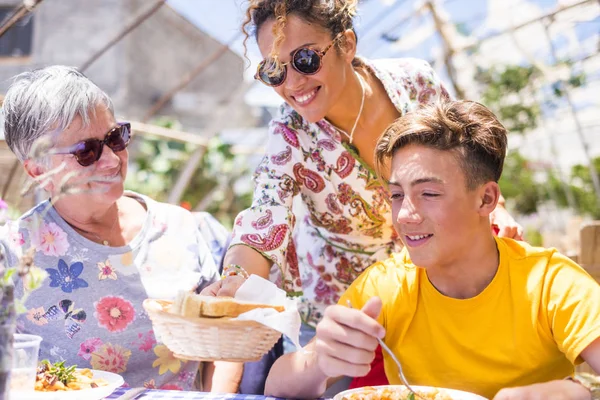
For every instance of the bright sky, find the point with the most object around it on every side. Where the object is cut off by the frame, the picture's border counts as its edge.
(222, 19)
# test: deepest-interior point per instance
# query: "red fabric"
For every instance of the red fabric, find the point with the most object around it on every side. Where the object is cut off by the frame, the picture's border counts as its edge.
(495, 229)
(376, 375)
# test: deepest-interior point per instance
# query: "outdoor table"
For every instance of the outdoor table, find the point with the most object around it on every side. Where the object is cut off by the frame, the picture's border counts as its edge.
(151, 394)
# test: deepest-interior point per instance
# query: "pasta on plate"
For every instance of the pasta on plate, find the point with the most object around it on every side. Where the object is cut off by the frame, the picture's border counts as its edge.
(56, 377)
(398, 393)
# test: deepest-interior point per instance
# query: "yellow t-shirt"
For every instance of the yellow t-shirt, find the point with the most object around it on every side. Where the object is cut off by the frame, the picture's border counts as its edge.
(529, 325)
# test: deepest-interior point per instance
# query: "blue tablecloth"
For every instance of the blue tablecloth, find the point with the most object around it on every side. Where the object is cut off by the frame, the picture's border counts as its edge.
(177, 395)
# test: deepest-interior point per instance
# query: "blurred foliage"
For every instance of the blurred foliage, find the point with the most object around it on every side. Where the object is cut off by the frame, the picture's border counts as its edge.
(506, 91)
(534, 237)
(576, 78)
(220, 169)
(574, 81)
(509, 93)
(518, 183)
(580, 182)
(463, 28)
(157, 164)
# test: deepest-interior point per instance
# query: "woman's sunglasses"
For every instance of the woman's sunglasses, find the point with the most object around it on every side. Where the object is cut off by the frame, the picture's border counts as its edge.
(305, 60)
(89, 151)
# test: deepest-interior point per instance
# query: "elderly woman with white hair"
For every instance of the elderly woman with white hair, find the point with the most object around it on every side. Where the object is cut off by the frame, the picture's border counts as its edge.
(105, 250)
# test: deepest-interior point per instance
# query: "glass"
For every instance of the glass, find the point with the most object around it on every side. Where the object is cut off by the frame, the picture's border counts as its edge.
(305, 60)
(25, 354)
(89, 151)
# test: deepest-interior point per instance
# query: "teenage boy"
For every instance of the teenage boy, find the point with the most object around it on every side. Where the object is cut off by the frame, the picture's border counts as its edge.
(459, 307)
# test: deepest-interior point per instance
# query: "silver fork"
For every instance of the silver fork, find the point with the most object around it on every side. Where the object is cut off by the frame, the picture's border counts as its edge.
(132, 394)
(400, 372)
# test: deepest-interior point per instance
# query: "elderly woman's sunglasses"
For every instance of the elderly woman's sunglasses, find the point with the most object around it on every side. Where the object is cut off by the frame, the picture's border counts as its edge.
(89, 151)
(305, 60)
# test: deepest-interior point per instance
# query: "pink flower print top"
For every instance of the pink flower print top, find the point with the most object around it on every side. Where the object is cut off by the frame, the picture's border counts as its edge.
(89, 309)
(343, 223)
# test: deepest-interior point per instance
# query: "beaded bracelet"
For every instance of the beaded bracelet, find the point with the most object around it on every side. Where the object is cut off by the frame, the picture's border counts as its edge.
(234, 270)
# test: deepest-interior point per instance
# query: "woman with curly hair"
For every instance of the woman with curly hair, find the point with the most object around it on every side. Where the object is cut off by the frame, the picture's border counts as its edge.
(320, 151)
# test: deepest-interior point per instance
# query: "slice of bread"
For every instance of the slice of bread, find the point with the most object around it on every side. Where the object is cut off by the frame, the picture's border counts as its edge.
(187, 304)
(229, 307)
(190, 304)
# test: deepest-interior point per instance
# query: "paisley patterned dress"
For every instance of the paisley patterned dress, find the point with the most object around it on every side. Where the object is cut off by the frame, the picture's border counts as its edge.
(342, 221)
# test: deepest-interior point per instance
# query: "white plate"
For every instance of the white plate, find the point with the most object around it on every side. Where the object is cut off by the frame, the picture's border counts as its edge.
(114, 381)
(455, 394)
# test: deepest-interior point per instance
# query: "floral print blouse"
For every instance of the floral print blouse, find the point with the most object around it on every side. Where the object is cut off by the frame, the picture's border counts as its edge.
(342, 224)
(89, 309)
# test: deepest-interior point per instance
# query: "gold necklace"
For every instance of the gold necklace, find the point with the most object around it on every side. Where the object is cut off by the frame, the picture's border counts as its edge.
(103, 241)
(360, 110)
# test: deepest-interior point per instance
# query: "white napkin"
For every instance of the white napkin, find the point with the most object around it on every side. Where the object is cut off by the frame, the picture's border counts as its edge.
(260, 290)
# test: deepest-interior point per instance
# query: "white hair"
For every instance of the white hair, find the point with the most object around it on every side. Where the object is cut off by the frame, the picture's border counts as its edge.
(48, 100)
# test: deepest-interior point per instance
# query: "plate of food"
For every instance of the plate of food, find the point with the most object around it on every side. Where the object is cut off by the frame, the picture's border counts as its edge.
(59, 382)
(399, 392)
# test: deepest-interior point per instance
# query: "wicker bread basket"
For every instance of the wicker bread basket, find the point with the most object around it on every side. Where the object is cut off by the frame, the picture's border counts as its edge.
(210, 339)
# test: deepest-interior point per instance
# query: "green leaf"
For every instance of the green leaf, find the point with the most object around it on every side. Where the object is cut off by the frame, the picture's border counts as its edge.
(463, 29)
(577, 80)
(34, 278)
(62, 373)
(7, 278)
(20, 306)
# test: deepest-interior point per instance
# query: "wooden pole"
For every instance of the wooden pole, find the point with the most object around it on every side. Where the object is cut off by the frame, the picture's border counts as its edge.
(198, 138)
(20, 11)
(449, 49)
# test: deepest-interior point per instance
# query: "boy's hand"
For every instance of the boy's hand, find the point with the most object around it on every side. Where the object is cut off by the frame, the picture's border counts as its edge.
(553, 390)
(346, 339)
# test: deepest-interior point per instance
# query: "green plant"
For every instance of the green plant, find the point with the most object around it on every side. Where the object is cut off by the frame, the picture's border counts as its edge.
(156, 166)
(507, 92)
(518, 183)
(510, 92)
(158, 163)
(583, 189)
(534, 237)
(213, 185)
(58, 369)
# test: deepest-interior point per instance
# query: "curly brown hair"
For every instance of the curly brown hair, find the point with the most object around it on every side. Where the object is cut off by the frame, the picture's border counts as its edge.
(467, 128)
(334, 15)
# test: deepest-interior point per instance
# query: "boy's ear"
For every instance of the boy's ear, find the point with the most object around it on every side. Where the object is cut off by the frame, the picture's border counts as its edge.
(489, 196)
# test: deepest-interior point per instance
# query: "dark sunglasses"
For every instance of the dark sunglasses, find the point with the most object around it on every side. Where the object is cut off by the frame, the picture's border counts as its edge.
(305, 60)
(89, 151)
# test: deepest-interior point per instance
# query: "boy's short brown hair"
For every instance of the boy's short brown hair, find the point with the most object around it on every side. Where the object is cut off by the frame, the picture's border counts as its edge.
(467, 128)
